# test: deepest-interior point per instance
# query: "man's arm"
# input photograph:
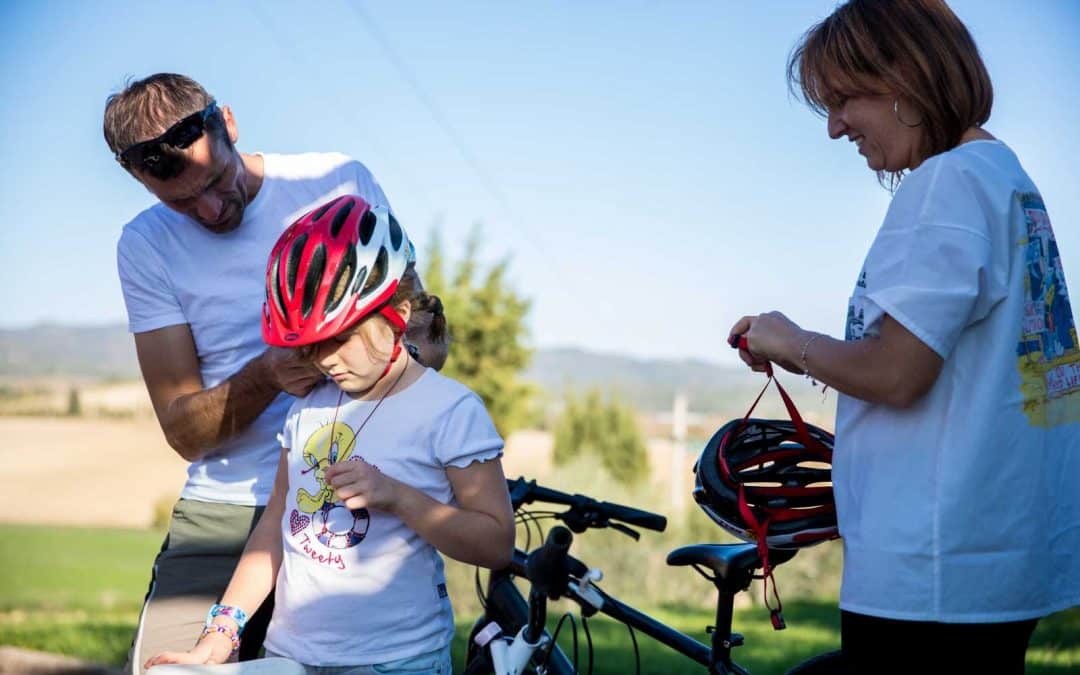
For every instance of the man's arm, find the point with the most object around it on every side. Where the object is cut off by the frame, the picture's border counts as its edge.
(196, 420)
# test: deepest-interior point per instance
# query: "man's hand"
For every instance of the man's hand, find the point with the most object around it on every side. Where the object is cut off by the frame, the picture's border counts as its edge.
(291, 373)
(360, 485)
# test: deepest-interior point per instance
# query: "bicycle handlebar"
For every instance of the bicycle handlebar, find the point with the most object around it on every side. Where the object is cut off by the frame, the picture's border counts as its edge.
(584, 511)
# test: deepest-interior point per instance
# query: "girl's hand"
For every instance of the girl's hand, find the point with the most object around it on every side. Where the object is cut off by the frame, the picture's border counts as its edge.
(770, 337)
(360, 485)
(207, 651)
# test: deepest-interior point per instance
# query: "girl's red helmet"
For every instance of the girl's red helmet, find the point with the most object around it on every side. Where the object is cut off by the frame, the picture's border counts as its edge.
(331, 268)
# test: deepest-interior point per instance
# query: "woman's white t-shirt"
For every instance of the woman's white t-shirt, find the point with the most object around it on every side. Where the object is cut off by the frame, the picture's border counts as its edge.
(361, 587)
(966, 506)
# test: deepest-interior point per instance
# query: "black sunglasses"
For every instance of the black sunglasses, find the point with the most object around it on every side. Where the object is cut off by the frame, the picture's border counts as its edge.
(147, 154)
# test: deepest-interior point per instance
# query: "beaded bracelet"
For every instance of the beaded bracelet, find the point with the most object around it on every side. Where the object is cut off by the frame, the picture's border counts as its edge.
(235, 613)
(224, 630)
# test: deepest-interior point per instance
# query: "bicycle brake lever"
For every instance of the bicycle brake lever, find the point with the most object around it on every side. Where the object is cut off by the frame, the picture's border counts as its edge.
(628, 531)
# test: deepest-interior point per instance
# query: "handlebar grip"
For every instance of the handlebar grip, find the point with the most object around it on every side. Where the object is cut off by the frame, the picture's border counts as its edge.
(632, 516)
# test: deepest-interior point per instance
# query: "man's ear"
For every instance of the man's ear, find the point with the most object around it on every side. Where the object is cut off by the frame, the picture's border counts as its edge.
(230, 124)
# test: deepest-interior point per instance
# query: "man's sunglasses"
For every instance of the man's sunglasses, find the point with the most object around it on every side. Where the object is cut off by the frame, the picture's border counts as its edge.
(146, 154)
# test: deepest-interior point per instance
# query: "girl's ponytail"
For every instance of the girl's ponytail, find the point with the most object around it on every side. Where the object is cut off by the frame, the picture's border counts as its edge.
(437, 329)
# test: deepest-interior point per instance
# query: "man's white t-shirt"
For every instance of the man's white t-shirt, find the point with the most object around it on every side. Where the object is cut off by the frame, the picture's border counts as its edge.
(174, 271)
(361, 587)
(966, 506)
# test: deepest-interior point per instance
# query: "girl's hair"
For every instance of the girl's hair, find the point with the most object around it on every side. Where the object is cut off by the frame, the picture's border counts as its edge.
(409, 288)
(916, 49)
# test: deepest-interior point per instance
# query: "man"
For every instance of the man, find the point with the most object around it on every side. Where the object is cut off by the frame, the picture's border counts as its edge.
(192, 269)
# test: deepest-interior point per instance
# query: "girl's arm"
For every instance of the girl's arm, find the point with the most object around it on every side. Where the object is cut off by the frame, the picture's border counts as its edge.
(478, 530)
(894, 369)
(252, 581)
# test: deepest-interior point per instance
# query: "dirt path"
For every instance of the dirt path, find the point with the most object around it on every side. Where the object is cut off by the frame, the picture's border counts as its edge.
(85, 471)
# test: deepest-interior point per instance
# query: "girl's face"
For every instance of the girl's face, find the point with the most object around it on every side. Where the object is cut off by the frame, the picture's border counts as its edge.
(883, 134)
(356, 358)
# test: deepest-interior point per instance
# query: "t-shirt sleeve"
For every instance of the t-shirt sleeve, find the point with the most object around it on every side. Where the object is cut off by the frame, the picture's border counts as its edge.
(287, 436)
(366, 184)
(931, 267)
(467, 434)
(148, 294)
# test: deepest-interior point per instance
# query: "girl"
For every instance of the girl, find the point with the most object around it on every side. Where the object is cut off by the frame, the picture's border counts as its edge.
(957, 454)
(383, 466)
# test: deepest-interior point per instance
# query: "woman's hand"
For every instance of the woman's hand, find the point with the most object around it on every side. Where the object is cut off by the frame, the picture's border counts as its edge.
(770, 337)
(360, 485)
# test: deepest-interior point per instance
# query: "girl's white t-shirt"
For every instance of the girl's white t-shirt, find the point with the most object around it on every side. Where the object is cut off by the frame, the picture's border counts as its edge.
(966, 506)
(174, 271)
(361, 587)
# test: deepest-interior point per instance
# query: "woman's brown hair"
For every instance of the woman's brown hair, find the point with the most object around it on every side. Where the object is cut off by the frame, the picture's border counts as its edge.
(917, 49)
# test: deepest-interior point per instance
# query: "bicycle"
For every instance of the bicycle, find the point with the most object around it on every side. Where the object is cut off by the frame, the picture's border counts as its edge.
(510, 636)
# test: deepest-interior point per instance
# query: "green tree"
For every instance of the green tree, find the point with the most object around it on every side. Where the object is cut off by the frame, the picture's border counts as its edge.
(487, 329)
(605, 429)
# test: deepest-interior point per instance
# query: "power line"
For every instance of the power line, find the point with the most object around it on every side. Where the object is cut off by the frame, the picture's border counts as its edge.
(416, 186)
(486, 180)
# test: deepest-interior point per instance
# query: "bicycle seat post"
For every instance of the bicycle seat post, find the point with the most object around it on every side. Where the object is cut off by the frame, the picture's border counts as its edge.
(722, 637)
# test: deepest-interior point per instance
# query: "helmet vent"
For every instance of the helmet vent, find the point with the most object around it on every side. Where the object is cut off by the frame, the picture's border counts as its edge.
(339, 218)
(292, 263)
(311, 281)
(323, 209)
(395, 233)
(339, 289)
(367, 227)
(378, 273)
(275, 287)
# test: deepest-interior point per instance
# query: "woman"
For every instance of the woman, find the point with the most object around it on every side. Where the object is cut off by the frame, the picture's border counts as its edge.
(957, 458)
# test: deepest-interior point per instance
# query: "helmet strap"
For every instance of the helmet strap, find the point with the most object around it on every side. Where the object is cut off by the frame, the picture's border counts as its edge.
(761, 530)
(397, 324)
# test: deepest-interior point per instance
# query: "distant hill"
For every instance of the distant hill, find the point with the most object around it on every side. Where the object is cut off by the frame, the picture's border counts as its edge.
(104, 350)
(650, 384)
(107, 351)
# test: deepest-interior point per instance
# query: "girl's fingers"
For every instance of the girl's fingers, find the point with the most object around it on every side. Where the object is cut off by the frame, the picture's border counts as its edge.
(357, 502)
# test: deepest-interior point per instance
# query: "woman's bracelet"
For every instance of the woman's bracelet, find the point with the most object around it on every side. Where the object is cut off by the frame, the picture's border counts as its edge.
(224, 630)
(802, 356)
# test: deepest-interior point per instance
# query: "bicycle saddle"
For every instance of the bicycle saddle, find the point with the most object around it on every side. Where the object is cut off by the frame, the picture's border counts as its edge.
(731, 563)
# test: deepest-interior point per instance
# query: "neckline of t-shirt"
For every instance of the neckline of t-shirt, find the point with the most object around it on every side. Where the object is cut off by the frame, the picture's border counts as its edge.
(982, 140)
(262, 197)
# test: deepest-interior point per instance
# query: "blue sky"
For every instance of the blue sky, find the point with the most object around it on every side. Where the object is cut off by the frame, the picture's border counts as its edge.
(641, 163)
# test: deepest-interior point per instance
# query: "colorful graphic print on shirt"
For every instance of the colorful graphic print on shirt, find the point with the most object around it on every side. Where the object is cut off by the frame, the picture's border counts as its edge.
(1048, 352)
(332, 524)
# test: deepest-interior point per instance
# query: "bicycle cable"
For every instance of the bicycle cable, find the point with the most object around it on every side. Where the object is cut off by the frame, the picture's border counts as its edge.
(555, 636)
(588, 640)
(479, 589)
(637, 655)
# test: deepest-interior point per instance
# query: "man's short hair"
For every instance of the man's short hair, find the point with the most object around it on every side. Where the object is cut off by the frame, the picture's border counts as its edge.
(147, 107)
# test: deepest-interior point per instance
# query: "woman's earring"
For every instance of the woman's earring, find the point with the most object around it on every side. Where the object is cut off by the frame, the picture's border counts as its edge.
(896, 111)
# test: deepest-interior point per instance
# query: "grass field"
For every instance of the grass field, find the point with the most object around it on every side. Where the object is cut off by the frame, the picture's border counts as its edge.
(78, 592)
